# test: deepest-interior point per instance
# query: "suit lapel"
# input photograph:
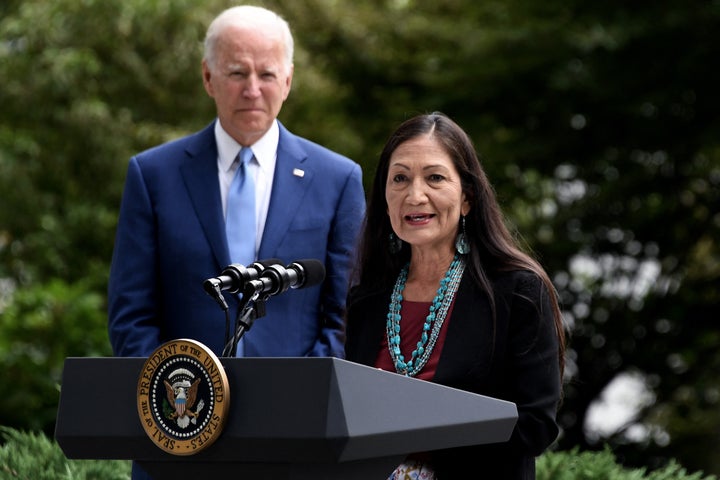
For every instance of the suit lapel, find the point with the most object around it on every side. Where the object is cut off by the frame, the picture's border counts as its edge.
(199, 172)
(291, 181)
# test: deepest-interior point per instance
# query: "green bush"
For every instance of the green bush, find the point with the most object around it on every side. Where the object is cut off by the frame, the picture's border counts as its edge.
(576, 465)
(33, 456)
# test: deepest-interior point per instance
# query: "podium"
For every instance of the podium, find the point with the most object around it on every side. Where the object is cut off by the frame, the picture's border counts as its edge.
(289, 418)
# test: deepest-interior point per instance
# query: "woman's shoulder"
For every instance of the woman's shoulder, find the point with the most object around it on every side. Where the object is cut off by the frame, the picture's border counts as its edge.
(517, 281)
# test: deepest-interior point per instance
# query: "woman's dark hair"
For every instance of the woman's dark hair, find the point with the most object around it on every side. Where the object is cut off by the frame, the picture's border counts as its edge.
(493, 248)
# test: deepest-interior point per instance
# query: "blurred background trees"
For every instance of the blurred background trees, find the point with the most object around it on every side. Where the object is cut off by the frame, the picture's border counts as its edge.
(597, 123)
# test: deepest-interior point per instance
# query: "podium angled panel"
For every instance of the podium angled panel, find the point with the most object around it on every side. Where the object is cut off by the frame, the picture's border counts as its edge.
(391, 414)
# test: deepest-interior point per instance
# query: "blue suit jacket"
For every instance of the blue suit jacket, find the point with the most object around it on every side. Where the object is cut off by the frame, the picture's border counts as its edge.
(171, 238)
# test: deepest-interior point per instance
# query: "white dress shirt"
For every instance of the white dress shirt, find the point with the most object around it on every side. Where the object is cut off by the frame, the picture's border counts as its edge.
(262, 168)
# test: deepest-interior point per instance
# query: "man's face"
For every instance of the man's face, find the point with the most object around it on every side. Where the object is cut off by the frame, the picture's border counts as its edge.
(249, 81)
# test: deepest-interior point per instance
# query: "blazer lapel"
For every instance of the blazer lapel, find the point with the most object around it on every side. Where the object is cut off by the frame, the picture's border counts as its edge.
(199, 172)
(291, 181)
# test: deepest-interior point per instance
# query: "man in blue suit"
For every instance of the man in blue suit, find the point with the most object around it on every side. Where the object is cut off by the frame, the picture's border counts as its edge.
(171, 233)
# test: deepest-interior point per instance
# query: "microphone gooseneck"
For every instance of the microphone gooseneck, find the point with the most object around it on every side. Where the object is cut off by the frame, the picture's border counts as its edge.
(256, 284)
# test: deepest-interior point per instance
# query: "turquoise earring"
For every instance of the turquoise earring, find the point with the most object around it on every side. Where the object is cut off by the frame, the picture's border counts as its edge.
(395, 244)
(461, 243)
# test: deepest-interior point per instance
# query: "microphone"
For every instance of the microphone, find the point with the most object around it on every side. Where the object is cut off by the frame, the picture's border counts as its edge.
(277, 279)
(234, 277)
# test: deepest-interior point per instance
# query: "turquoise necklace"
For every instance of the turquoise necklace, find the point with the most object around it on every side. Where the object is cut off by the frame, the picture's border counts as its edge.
(433, 322)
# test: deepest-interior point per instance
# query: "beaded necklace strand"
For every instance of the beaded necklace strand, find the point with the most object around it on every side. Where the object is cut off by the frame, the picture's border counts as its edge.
(433, 322)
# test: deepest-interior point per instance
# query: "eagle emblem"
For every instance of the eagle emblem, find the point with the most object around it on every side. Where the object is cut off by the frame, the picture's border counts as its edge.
(181, 392)
(183, 397)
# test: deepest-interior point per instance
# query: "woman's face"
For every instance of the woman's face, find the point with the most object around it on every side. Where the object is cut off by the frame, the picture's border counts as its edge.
(424, 194)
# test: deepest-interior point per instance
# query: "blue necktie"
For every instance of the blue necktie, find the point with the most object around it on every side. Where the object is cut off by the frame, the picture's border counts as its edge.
(240, 219)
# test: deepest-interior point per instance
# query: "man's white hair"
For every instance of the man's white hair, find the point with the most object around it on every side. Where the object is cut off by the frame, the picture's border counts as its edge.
(248, 15)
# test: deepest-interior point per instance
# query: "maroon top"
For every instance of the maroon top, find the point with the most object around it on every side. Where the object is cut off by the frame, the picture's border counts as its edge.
(411, 325)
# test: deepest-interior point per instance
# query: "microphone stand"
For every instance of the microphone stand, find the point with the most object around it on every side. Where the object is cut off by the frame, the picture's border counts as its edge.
(251, 308)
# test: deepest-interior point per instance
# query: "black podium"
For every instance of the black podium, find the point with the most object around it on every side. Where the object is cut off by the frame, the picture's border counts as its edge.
(290, 418)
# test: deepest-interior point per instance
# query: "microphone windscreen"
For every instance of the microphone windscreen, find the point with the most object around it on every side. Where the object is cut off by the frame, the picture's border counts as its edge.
(313, 271)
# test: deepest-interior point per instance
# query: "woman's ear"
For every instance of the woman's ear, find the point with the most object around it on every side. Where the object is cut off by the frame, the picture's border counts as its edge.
(465, 208)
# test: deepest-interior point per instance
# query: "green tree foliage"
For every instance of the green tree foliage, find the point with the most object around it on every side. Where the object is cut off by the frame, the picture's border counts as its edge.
(41, 327)
(597, 123)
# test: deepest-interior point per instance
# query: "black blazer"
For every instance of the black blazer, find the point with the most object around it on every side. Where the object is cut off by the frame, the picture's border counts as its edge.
(514, 358)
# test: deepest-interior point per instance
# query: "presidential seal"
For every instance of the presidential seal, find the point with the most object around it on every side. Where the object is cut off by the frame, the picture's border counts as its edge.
(183, 397)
